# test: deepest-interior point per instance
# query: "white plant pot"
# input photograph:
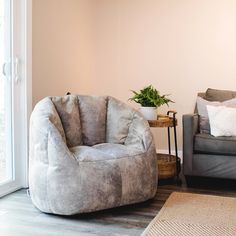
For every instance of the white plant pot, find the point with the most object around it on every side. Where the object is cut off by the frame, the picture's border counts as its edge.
(150, 113)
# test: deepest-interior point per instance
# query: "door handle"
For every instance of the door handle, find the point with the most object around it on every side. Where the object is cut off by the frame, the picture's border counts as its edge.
(6, 69)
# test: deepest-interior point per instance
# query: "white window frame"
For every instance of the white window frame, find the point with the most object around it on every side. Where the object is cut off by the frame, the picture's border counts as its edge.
(22, 95)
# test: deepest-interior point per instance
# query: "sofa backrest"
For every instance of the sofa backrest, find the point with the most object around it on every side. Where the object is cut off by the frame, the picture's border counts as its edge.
(89, 120)
(216, 95)
(219, 95)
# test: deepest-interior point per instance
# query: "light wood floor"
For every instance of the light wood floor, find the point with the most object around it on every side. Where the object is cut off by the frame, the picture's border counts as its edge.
(18, 217)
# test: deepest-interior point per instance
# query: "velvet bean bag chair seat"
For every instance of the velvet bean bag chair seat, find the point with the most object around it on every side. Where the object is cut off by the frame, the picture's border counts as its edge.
(89, 153)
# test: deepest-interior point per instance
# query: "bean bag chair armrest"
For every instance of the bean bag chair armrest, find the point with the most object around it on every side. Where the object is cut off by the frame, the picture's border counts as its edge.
(45, 124)
(139, 134)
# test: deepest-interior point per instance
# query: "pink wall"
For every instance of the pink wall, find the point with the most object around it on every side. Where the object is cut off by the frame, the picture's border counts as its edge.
(62, 53)
(111, 46)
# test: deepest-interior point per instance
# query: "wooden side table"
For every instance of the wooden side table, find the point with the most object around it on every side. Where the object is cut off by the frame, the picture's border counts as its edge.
(168, 164)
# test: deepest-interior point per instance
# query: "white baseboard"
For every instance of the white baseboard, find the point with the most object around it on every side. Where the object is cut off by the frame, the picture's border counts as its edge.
(9, 189)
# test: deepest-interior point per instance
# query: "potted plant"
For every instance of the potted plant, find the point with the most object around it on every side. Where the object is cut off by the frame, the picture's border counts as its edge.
(149, 99)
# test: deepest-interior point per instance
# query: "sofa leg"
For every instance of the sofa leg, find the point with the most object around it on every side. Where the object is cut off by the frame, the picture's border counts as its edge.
(189, 180)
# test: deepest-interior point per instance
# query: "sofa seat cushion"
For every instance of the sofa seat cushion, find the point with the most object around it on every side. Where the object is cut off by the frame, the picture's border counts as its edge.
(206, 143)
(101, 152)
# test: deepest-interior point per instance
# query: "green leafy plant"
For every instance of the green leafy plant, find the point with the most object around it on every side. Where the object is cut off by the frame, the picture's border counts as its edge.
(150, 97)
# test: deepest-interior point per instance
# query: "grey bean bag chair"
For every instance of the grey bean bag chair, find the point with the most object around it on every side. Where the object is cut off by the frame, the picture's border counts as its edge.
(89, 153)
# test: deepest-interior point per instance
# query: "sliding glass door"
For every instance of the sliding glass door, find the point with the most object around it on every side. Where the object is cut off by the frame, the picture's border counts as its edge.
(13, 95)
(6, 160)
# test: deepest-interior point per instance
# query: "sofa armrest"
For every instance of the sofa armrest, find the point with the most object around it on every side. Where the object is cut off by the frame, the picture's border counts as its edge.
(190, 128)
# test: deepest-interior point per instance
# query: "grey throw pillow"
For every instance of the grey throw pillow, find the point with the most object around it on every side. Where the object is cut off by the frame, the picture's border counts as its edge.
(219, 95)
(204, 125)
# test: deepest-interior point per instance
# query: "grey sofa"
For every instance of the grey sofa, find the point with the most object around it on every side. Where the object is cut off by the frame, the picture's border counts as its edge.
(203, 154)
(89, 153)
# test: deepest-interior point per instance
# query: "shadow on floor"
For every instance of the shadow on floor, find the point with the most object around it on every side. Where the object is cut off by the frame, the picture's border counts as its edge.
(201, 183)
(211, 183)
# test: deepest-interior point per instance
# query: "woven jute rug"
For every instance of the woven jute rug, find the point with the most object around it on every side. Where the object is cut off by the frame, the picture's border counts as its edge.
(187, 214)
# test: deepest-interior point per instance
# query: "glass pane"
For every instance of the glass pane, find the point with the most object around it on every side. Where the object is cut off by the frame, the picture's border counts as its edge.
(5, 92)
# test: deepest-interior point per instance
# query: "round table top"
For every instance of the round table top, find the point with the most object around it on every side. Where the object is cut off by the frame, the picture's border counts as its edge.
(163, 121)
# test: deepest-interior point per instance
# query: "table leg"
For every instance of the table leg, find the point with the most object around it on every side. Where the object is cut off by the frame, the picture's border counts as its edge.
(169, 144)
